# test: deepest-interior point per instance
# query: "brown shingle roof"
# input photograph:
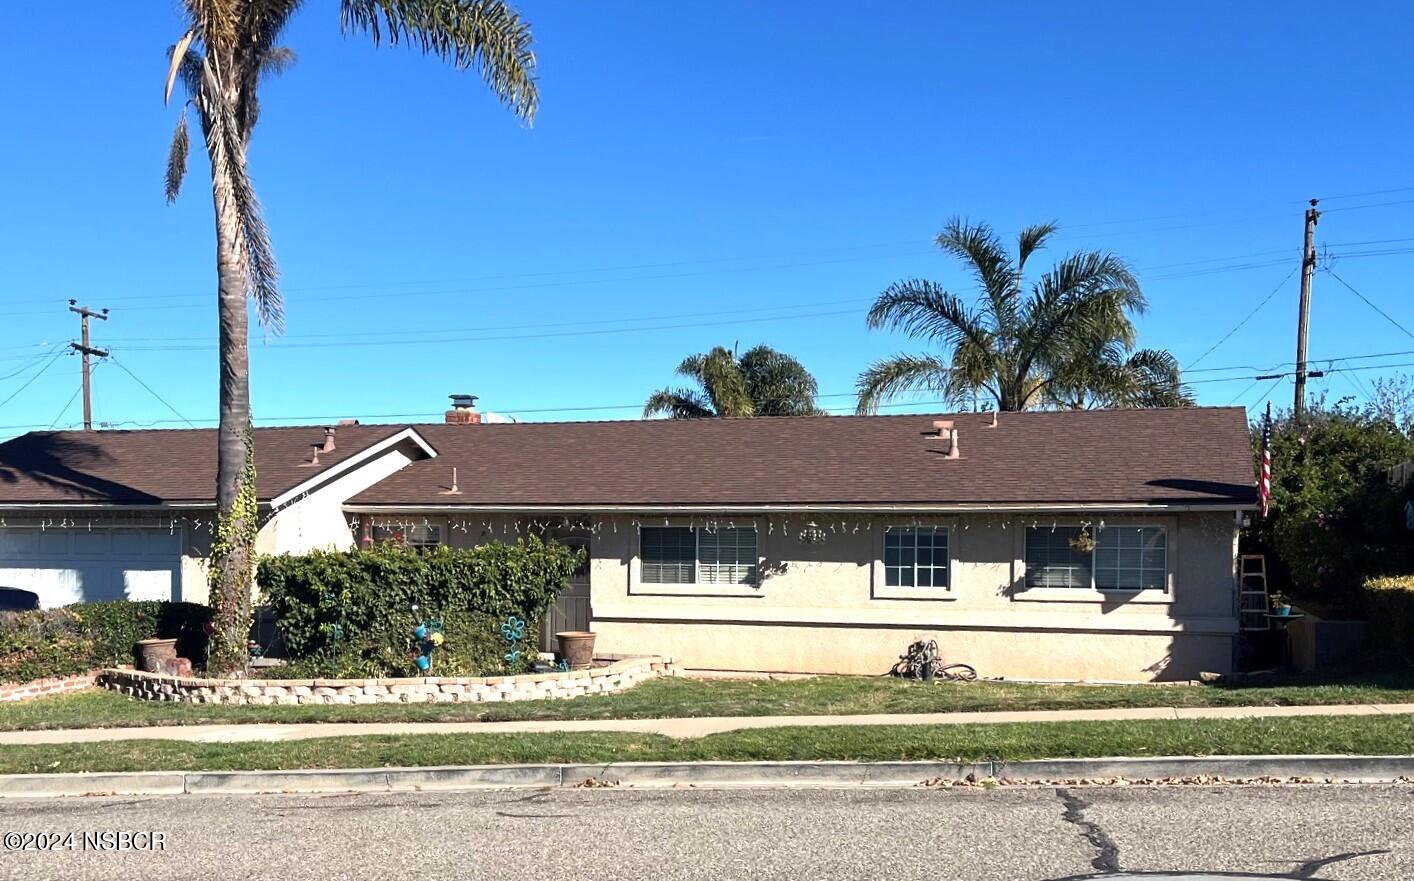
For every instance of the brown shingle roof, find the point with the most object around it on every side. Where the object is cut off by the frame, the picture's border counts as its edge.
(160, 466)
(1188, 456)
(1192, 456)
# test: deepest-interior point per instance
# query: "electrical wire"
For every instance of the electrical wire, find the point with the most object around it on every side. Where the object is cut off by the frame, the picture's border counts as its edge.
(1265, 300)
(139, 381)
(1383, 314)
(30, 381)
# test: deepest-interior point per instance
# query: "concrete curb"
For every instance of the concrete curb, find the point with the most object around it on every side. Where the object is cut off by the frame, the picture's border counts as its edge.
(668, 775)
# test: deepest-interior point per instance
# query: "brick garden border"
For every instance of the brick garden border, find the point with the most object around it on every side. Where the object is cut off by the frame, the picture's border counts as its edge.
(616, 676)
(23, 691)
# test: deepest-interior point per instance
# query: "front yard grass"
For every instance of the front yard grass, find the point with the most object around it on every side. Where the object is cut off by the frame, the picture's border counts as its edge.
(1368, 735)
(667, 698)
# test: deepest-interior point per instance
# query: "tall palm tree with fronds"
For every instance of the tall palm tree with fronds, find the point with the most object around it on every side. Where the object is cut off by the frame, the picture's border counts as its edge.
(1019, 345)
(762, 382)
(227, 49)
(1112, 377)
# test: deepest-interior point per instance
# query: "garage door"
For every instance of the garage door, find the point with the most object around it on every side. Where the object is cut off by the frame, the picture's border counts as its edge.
(77, 565)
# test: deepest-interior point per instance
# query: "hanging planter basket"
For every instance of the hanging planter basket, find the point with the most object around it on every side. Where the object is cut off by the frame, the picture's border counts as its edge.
(1084, 542)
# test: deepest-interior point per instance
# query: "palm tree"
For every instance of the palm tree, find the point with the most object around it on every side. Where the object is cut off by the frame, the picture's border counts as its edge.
(227, 49)
(1017, 348)
(762, 382)
(1113, 378)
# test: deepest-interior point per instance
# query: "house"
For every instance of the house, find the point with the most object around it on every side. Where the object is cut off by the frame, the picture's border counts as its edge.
(1096, 545)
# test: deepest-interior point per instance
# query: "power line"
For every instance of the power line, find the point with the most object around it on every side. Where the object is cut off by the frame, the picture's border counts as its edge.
(30, 381)
(523, 336)
(1366, 299)
(33, 361)
(139, 381)
(1265, 300)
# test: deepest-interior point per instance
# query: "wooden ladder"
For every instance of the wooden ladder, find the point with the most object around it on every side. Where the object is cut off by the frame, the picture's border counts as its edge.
(1253, 603)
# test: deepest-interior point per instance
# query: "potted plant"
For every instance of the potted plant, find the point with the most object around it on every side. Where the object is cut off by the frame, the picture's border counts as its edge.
(155, 654)
(1280, 605)
(576, 648)
(1083, 542)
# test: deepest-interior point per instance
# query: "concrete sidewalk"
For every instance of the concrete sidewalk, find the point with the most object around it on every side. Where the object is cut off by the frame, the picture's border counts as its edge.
(680, 728)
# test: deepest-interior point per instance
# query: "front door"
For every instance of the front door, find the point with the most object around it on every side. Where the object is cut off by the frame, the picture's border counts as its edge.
(571, 610)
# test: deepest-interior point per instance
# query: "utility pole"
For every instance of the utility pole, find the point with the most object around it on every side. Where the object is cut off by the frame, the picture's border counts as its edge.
(1303, 323)
(86, 350)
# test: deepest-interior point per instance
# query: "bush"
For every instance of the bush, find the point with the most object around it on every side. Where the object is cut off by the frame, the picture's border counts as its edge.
(82, 637)
(1390, 603)
(1335, 520)
(352, 613)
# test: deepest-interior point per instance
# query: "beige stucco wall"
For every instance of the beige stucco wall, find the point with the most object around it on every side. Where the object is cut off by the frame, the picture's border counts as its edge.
(824, 608)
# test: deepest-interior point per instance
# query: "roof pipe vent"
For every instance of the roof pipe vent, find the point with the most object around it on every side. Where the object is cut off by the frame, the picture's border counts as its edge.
(945, 430)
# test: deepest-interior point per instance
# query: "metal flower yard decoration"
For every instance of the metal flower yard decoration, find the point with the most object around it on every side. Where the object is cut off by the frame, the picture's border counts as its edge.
(513, 632)
(430, 635)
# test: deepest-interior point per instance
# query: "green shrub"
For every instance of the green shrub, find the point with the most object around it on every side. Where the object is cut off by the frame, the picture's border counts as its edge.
(82, 637)
(1335, 520)
(1390, 604)
(474, 646)
(352, 613)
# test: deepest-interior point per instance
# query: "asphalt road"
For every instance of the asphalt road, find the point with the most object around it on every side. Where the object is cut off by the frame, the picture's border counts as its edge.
(1032, 834)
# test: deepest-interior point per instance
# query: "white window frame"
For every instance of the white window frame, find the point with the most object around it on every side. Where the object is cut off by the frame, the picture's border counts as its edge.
(1094, 594)
(882, 590)
(396, 525)
(639, 587)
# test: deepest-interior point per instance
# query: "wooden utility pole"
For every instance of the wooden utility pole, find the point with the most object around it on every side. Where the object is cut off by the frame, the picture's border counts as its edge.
(83, 348)
(1303, 323)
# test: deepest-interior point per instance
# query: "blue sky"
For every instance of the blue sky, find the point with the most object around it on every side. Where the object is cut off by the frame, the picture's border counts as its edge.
(700, 174)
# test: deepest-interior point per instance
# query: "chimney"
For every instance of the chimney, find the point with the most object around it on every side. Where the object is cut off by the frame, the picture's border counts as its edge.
(946, 431)
(463, 411)
(328, 441)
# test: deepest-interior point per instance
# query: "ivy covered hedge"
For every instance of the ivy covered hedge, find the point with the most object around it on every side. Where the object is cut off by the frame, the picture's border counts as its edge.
(352, 613)
(78, 638)
(1389, 601)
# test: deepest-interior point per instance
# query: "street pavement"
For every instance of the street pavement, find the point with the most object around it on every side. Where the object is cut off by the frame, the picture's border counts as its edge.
(1008, 834)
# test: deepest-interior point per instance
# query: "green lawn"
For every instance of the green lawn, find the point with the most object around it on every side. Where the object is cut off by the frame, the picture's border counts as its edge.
(664, 698)
(1372, 735)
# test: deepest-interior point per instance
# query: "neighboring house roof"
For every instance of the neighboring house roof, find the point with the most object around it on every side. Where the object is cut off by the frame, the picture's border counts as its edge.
(1199, 456)
(1193, 456)
(163, 467)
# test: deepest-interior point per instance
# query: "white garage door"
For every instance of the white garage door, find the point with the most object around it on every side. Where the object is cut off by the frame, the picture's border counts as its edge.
(77, 565)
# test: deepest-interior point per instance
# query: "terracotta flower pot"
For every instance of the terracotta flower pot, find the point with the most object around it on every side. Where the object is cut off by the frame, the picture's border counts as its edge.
(153, 654)
(577, 648)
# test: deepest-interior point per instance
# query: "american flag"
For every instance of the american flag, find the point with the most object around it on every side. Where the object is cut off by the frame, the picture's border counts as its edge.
(1265, 484)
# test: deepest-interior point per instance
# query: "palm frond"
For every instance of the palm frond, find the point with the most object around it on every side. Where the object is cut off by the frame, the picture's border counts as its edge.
(216, 23)
(1032, 239)
(778, 384)
(177, 53)
(894, 376)
(488, 36)
(721, 378)
(177, 158)
(225, 145)
(923, 308)
(679, 404)
(991, 265)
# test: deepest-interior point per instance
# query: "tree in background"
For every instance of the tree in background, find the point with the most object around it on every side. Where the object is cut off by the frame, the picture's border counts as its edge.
(1112, 377)
(1334, 517)
(762, 382)
(228, 48)
(1068, 342)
